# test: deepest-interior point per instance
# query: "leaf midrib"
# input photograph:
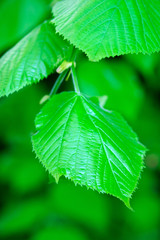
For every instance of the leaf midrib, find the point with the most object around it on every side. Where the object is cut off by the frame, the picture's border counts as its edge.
(104, 147)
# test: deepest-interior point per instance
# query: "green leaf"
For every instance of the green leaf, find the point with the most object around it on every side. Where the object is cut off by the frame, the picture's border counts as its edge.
(60, 232)
(92, 206)
(115, 79)
(19, 17)
(32, 59)
(108, 28)
(19, 216)
(89, 145)
(148, 66)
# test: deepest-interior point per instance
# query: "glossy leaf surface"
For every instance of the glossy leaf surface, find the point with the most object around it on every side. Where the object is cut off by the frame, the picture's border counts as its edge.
(90, 145)
(108, 28)
(33, 58)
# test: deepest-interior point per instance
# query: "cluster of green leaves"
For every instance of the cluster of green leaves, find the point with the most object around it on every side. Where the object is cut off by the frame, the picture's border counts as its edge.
(33, 209)
(76, 137)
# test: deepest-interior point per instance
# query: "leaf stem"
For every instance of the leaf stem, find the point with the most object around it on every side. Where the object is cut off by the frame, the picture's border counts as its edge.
(73, 71)
(74, 79)
(58, 82)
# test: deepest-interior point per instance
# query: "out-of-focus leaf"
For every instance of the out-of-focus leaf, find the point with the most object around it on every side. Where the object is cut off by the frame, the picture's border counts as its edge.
(114, 79)
(21, 216)
(148, 66)
(147, 125)
(18, 17)
(91, 208)
(89, 145)
(18, 168)
(108, 28)
(16, 126)
(146, 217)
(32, 59)
(22, 172)
(60, 232)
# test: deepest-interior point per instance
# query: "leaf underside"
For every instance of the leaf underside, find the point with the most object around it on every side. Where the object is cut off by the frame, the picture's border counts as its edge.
(89, 145)
(108, 28)
(32, 59)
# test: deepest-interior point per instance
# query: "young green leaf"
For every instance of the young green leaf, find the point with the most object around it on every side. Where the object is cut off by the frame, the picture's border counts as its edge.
(108, 28)
(32, 59)
(89, 145)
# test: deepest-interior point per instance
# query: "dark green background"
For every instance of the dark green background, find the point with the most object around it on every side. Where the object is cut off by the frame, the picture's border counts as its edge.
(32, 205)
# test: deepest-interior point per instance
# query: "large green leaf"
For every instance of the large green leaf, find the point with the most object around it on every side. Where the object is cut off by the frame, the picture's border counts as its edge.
(89, 145)
(110, 27)
(32, 59)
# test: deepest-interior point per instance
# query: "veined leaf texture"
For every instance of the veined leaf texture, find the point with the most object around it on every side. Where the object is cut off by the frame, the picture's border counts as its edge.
(92, 146)
(103, 28)
(32, 59)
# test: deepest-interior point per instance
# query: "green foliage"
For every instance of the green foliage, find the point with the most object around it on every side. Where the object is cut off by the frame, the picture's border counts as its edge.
(61, 233)
(119, 81)
(76, 137)
(91, 206)
(108, 28)
(90, 145)
(18, 17)
(39, 210)
(148, 67)
(33, 58)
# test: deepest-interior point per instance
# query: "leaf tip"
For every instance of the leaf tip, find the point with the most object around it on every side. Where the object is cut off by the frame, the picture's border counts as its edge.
(127, 203)
(57, 177)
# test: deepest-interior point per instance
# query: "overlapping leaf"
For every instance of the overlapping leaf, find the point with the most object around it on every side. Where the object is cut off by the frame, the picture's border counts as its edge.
(103, 28)
(89, 145)
(32, 59)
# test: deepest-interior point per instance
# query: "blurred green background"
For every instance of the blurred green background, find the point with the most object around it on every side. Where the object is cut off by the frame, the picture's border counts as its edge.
(32, 205)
